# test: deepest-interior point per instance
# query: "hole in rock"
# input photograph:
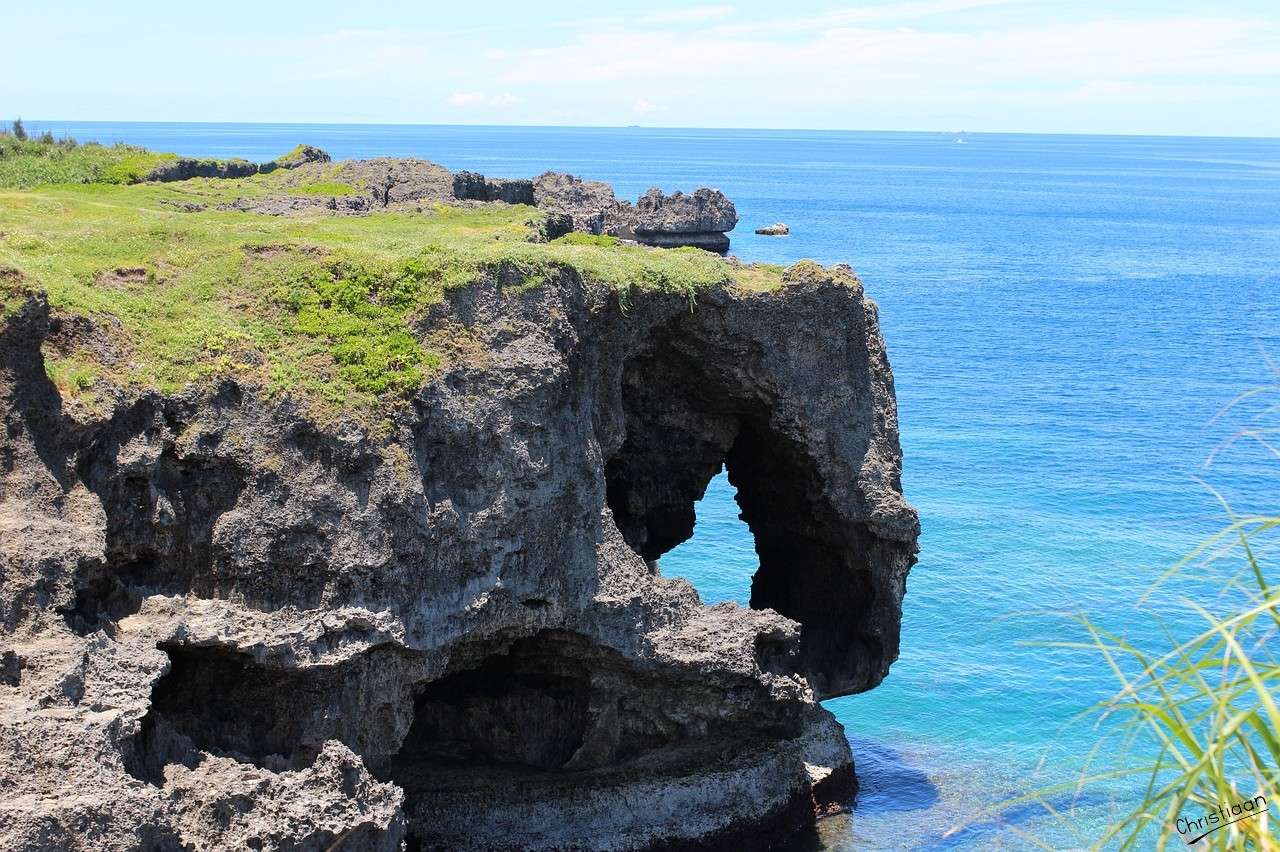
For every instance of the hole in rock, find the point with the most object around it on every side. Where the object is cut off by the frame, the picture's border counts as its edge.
(555, 709)
(544, 716)
(527, 708)
(720, 557)
(11, 666)
(110, 594)
(224, 702)
(689, 414)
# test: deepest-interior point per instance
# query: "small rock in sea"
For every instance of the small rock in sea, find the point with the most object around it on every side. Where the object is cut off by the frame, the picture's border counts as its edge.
(775, 230)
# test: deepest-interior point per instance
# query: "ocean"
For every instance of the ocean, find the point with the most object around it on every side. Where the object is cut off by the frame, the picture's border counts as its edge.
(1065, 316)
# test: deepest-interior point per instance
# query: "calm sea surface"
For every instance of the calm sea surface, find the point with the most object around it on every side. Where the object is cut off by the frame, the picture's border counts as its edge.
(1065, 315)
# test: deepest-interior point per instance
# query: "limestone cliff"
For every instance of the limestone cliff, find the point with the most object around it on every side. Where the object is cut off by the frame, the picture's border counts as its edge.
(226, 625)
(700, 219)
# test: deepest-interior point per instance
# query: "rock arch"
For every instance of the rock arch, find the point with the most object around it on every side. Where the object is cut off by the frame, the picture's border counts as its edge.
(719, 387)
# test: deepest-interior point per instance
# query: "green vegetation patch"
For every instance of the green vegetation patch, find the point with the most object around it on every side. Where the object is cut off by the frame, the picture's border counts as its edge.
(323, 188)
(577, 238)
(356, 309)
(29, 162)
(324, 307)
(759, 277)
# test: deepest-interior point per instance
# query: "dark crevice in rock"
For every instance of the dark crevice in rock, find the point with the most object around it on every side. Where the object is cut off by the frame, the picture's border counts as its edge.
(108, 595)
(11, 665)
(525, 708)
(224, 702)
(685, 419)
(32, 404)
(220, 701)
(556, 713)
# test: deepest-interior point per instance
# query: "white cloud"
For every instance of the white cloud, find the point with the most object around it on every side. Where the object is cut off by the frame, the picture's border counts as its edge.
(916, 64)
(853, 66)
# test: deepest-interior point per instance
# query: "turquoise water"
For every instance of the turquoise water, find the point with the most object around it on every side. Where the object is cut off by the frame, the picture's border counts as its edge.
(1064, 315)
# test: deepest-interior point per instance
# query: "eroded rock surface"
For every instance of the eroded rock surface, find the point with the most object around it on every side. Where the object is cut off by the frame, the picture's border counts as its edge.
(699, 219)
(225, 626)
(185, 168)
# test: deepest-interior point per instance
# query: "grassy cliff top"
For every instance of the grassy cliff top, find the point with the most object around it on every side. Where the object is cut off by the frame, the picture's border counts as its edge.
(319, 305)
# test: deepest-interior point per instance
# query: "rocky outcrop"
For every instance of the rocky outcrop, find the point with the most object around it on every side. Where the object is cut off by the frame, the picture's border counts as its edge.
(395, 180)
(390, 182)
(476, 187)
(300, 156)
(700, 219)
(228, 626)
(691, 220)
(590, 204)
(777, 229)
(185, 168)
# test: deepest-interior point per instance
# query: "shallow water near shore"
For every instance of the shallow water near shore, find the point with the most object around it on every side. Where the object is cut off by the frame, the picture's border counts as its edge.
(1064, 315)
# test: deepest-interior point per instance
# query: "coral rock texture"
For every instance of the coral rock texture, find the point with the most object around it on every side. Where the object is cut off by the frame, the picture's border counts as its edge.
(224, 625)
(699, 220)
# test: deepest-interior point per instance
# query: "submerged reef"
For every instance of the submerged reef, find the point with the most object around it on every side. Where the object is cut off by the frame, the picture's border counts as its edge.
(332, 532)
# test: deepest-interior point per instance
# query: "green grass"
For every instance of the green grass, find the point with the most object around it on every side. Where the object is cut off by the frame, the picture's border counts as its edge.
(323, 188)
(318, 306)
(291, 155)
(1210, 704)
(759, 277)
(577, 238)
(30, 163)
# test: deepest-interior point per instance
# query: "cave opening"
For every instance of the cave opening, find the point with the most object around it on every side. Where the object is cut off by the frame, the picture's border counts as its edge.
(695, 428)
(549, 716)
(545, 706)
(218, 700)
(557, 704)
(720, 557)
(512, 720)
(525, 708)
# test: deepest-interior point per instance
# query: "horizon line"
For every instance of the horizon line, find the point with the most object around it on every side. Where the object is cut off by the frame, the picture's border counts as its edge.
(34, 121)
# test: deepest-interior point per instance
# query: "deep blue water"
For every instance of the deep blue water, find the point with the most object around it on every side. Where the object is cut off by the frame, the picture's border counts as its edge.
(1064, 314)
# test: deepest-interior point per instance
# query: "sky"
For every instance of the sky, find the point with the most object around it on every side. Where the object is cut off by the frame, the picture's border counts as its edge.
(1183, 67)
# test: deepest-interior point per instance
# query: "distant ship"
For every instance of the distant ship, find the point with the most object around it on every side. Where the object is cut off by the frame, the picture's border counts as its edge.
(960, 140)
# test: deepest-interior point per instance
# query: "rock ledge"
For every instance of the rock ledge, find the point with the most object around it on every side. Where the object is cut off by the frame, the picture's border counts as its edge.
(227, 626)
